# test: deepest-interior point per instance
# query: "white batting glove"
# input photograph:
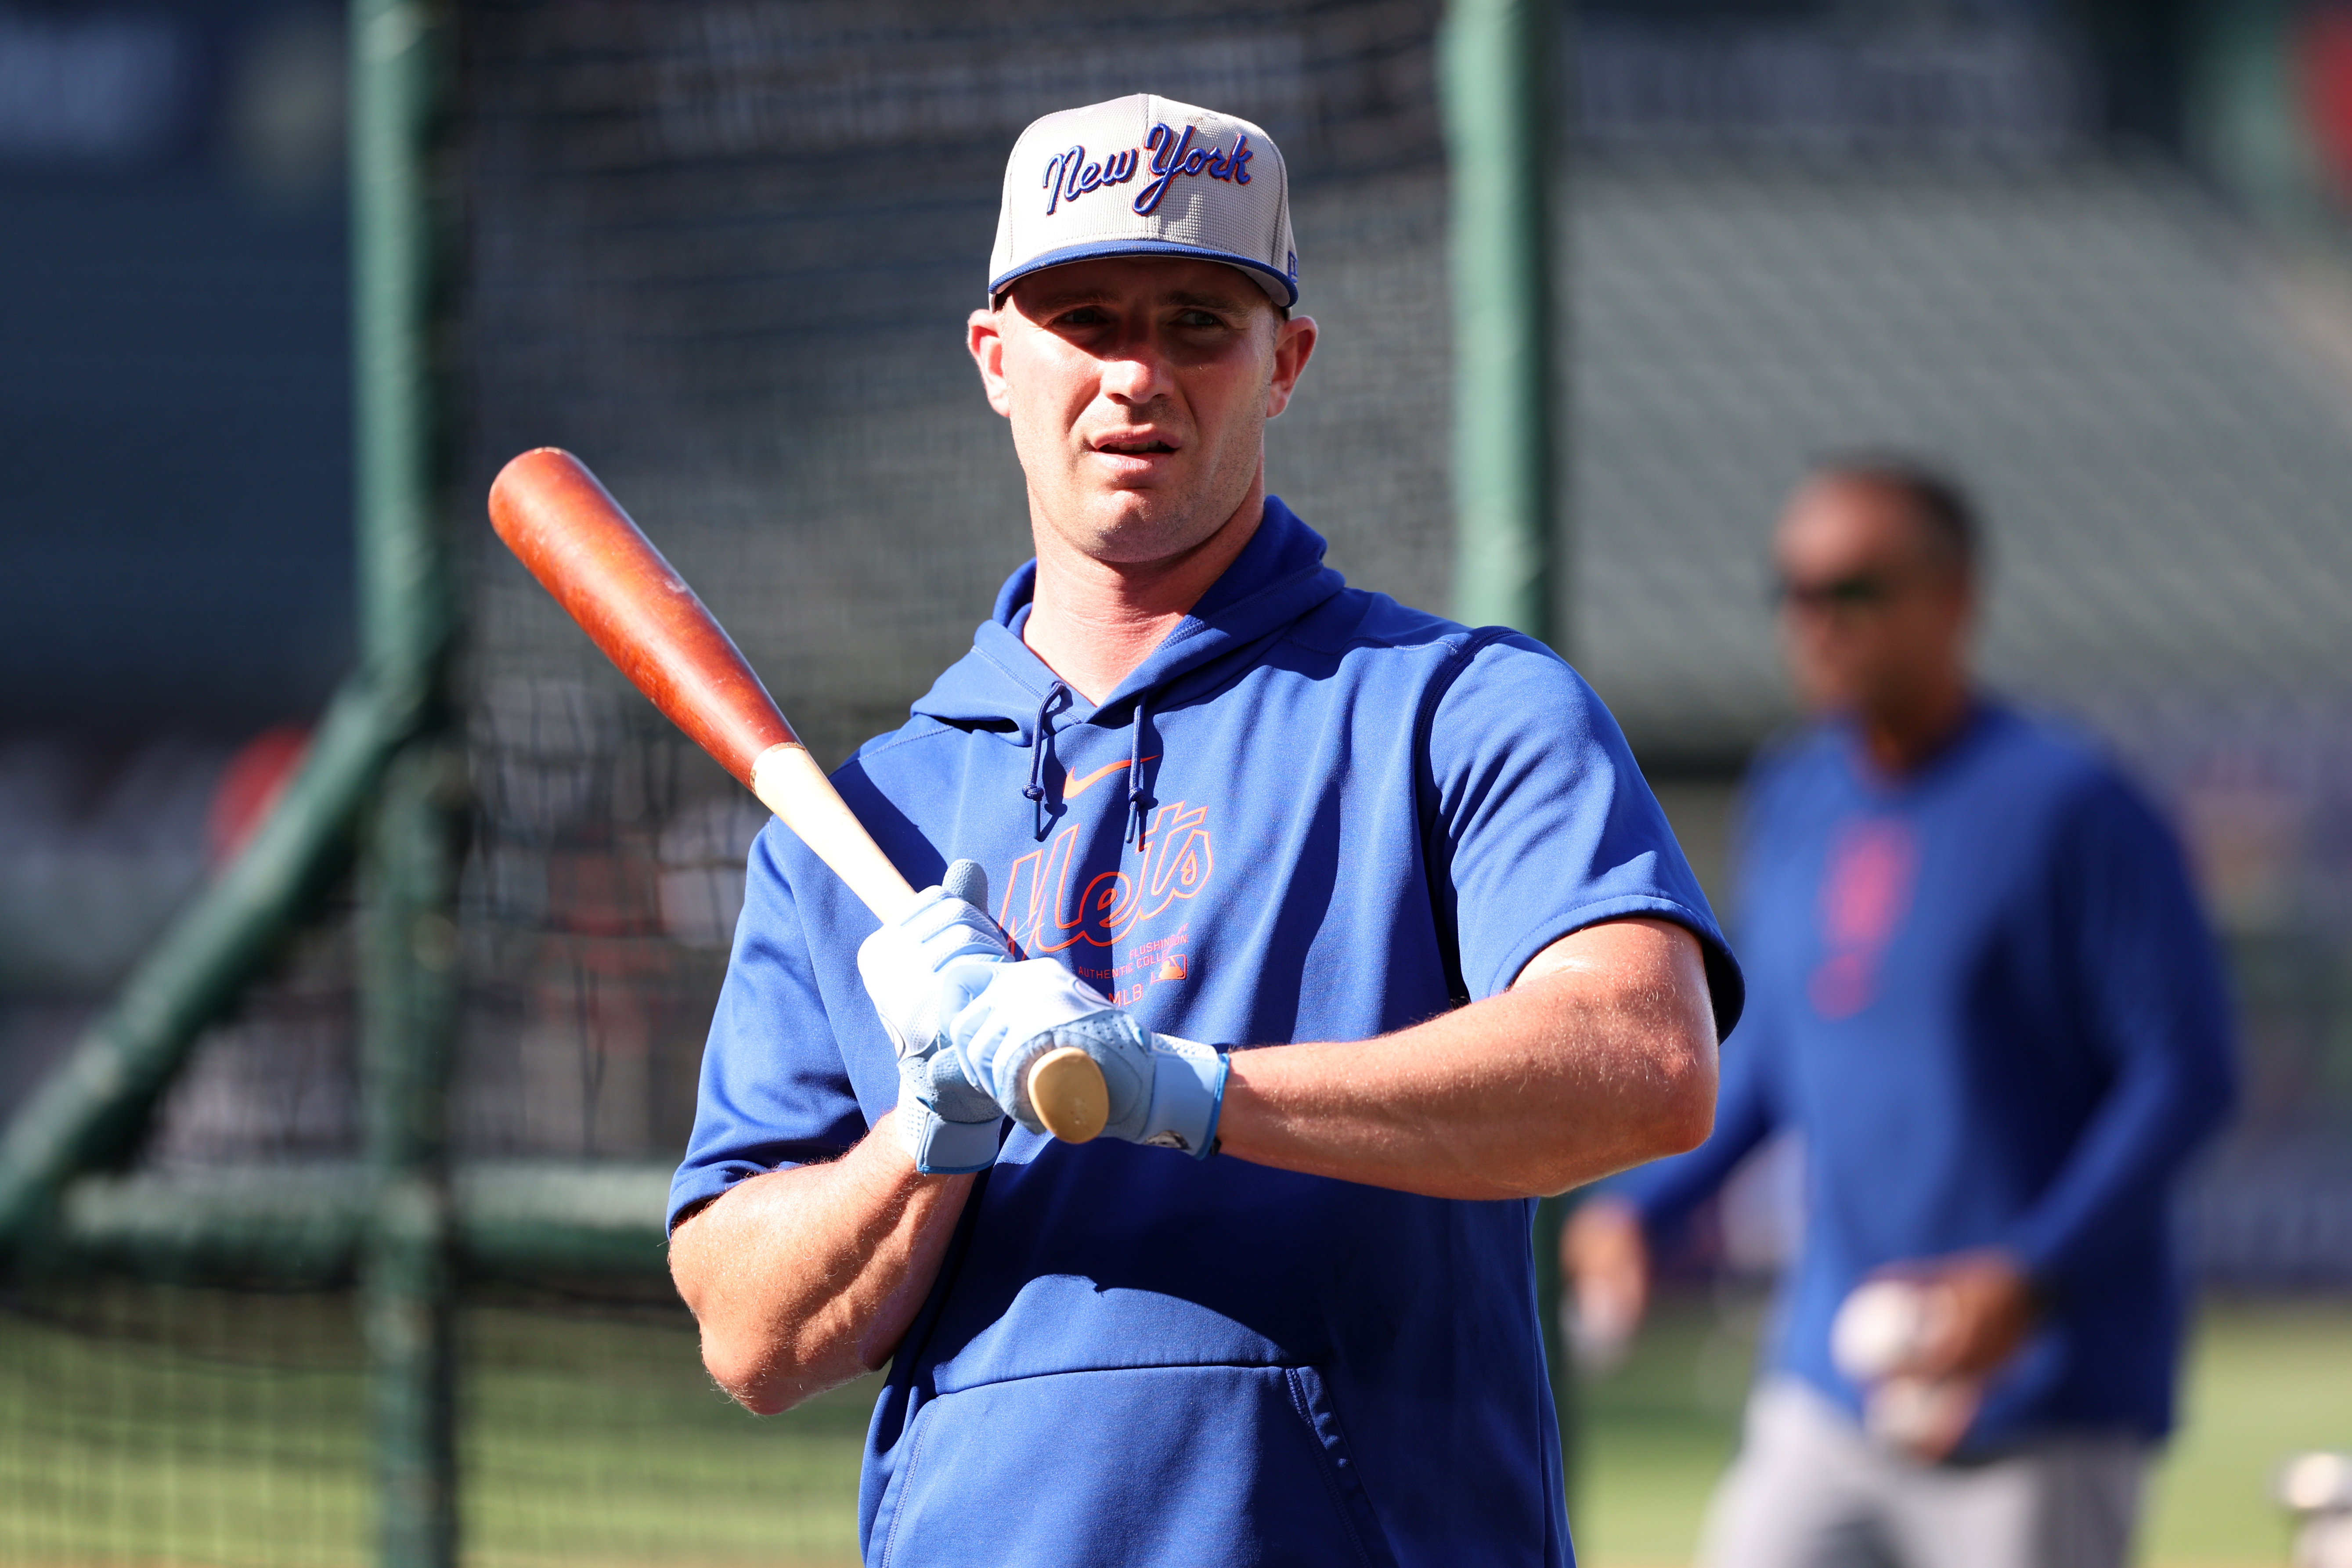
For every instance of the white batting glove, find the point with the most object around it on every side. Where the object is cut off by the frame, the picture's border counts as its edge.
(902, 961)
(1164, 1091)
(946, 1125)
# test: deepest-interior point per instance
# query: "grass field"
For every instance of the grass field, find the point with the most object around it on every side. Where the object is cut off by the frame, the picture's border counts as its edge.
(200, 1428)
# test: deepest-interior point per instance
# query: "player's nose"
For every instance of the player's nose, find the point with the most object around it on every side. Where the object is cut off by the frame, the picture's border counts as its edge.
(1135, 369)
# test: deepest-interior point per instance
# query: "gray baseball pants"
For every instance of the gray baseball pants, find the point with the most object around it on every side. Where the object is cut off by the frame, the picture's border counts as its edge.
(1810, 1491)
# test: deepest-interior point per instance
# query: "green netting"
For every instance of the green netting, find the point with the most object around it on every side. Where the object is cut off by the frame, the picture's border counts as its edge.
(147, 1425)
(158, 1423)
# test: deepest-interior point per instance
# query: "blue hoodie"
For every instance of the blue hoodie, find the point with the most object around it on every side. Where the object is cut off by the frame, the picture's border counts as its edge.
(1310, 814)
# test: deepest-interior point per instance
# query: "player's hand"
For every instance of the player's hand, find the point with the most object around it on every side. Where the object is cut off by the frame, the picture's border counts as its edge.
(1921, 1338)
(947, 1127)
(1985, 1310)
(1607, 1258)
(1163, 1091)
(946, 1124)
(902, 961)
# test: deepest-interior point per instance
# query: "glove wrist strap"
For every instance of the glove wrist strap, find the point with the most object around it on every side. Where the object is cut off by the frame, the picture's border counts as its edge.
(938, 1146)
(1188, 1096)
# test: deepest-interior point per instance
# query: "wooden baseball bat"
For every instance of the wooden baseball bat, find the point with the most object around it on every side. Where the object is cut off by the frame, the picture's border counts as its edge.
(575, 538)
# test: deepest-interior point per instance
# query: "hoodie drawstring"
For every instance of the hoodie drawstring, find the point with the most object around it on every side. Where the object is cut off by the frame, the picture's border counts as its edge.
(1139, 799)
(1040, 739)
(1138, 796)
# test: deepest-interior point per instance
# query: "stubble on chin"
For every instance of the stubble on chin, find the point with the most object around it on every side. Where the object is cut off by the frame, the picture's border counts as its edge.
(1131, 529)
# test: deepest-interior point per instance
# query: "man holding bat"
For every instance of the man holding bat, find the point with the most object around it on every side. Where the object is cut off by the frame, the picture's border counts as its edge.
(1369, 920)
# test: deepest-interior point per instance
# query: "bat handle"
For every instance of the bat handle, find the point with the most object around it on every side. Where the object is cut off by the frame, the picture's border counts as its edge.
(789, 783)
(1065, 1085)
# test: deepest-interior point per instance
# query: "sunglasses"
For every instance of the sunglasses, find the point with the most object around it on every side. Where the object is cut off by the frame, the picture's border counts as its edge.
(1861, 591)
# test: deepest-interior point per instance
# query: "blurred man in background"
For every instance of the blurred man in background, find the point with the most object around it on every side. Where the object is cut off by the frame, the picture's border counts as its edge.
(1984, 997)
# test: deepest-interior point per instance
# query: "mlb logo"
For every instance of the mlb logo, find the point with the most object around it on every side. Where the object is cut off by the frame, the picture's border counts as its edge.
(1173, 969)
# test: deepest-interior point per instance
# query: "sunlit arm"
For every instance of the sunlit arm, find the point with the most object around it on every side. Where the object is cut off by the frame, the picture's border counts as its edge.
(803, 1280)
(1600, 1056)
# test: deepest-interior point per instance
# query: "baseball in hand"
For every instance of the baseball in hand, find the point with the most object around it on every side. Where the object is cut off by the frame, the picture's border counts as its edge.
(1876, 1337)
(1881, 1326)
(1923, 1417)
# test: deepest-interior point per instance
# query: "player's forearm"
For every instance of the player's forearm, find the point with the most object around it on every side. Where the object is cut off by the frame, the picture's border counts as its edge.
(806, 1278)
(1601, 1061)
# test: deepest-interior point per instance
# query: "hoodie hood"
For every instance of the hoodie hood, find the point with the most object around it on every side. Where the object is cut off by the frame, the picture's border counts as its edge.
(1278, 577)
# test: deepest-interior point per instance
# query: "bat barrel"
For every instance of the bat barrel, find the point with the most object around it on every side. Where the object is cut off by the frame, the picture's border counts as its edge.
(583, 549)
(575, 538)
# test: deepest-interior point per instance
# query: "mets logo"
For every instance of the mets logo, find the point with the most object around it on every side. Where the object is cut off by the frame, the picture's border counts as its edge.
(1865, 893)
(1041, 914)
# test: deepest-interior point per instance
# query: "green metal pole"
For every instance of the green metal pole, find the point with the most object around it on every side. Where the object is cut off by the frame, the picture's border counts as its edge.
(408, 1260)
(409, 599)
(1551, 1292)
(401, 51)
(1496, 69)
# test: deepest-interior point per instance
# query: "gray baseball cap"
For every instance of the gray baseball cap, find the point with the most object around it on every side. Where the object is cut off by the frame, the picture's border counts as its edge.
(1146, 177)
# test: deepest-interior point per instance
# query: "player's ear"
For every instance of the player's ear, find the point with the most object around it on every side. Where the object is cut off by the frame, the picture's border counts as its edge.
(1294, 344)
(984, 336)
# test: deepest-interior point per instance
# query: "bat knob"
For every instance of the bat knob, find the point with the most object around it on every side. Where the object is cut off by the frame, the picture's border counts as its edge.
(967, 881)
(1067, 1092)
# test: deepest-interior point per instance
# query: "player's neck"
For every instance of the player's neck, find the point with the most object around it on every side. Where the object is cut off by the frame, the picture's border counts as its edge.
(1901, 737)
(1092, 622)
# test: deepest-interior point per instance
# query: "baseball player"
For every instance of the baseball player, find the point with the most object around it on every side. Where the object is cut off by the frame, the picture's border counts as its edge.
(1986, 999)
(1369, 920)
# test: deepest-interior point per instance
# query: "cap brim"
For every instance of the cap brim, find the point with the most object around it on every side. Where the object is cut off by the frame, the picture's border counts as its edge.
(1279, 287)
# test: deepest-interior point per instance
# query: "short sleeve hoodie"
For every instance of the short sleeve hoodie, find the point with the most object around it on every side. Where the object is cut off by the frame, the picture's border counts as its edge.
(1311, 815)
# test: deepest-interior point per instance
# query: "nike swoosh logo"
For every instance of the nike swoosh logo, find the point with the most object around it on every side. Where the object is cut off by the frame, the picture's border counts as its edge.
(1079, 786)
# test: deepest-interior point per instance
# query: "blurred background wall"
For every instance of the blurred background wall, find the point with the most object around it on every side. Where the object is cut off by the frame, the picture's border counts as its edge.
(2092, 256)
(174, 437)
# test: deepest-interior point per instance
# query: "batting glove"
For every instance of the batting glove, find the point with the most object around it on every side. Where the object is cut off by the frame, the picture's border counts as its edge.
(947, 1125)
(1164, 1091)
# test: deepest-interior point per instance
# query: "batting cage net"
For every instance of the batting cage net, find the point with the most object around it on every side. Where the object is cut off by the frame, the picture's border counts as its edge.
(723, 250)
